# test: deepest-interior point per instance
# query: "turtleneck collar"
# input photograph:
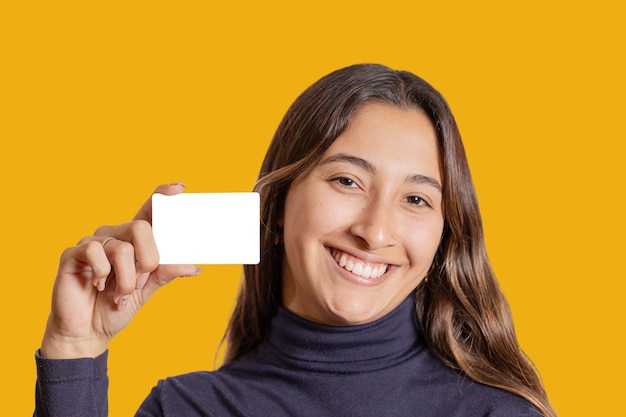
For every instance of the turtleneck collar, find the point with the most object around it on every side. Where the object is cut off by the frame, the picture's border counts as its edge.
(300, 343)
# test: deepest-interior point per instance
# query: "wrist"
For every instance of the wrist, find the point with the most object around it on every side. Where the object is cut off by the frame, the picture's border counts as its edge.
(69, 350)
(56, 346)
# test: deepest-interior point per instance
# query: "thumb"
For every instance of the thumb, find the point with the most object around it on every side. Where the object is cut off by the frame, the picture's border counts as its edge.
(145, 212)
(164, 274)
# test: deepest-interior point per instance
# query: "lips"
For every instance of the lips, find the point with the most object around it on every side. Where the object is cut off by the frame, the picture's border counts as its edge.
(358, 266)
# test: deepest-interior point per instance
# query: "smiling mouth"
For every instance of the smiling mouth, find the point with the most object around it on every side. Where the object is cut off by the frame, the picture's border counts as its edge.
(357, 266)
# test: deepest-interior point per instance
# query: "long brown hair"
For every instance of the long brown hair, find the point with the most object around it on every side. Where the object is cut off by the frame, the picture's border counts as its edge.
(460, 309)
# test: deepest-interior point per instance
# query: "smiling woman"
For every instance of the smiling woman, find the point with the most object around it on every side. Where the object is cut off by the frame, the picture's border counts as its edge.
(360, 232)
(374, 295)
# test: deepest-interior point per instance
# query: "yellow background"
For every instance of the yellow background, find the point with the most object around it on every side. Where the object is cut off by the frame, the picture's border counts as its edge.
(102, 101)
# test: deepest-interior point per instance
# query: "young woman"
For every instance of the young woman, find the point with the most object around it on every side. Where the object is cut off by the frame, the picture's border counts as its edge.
(374, 295)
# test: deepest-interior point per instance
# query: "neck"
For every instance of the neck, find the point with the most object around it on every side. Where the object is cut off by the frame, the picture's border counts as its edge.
(305, 344)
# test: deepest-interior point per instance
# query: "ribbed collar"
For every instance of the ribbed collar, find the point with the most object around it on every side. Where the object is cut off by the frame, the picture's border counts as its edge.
(297, 342)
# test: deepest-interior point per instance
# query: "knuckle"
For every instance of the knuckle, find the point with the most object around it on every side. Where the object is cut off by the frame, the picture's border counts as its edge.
(67, 254)
(84, 240)
(93, 248)
(140, 227)
(149, 262)
(121, 248)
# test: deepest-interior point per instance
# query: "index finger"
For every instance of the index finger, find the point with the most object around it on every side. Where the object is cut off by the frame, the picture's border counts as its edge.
(145, 212)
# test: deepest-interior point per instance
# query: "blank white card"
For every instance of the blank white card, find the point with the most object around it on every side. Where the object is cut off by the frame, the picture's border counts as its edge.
(207, 228)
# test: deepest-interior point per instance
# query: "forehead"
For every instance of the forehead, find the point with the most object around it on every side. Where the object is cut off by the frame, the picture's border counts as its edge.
(388, 136)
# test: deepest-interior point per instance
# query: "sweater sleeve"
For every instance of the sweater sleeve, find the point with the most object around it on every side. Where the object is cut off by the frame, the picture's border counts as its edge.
(71, 387)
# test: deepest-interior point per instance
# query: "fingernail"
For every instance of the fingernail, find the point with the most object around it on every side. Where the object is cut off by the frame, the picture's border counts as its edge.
(182, 184)
(141, 281)
(101, 284)
(121, 305)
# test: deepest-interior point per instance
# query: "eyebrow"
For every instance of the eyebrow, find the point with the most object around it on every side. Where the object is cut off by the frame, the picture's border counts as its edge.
(354, 160)
(424, 179)
(360, 162)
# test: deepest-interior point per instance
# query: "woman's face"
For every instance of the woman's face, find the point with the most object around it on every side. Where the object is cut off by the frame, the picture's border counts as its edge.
(362, 225)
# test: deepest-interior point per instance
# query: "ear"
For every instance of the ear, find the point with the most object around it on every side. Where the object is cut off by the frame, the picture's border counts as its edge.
(278, 233)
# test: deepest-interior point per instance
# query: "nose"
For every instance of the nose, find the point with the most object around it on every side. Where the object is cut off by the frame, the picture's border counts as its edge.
(373, 229)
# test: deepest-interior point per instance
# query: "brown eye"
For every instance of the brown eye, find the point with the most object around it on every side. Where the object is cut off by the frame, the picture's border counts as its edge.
(418, 201)
(346, 182)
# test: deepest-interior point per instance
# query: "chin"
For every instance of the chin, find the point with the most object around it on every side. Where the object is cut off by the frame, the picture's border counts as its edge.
(354, 313)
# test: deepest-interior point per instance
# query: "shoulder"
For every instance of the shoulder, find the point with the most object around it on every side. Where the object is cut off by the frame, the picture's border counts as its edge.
(501, 403)
(458, 395)
(187, 395)
(479, 399)
(202, 393)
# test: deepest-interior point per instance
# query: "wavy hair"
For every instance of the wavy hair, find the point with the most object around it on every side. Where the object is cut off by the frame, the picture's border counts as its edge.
(460, 309)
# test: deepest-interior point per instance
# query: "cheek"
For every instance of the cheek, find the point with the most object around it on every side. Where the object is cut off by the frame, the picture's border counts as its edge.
(425, 241)
(313, 212)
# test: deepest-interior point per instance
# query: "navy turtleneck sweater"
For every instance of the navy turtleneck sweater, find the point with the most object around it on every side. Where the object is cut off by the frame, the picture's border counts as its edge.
(306, 369)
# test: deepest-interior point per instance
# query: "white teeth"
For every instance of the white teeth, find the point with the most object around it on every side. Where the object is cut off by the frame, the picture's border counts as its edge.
(367, 272)
(359, 268)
